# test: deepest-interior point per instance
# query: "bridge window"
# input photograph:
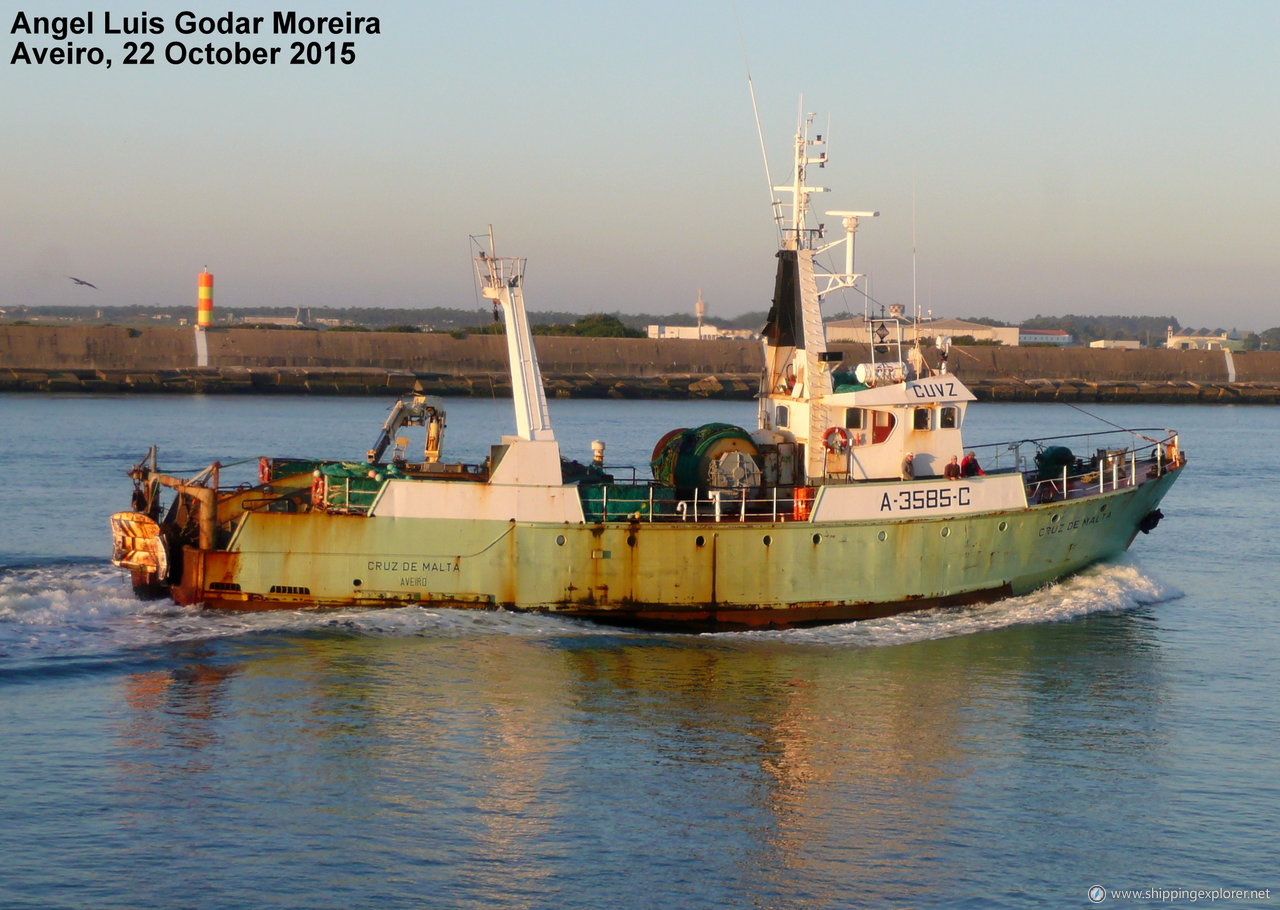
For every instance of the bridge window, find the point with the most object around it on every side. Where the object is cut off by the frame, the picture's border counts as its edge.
(949, 418)
(853, 418)
(782, 415)
(921, 418)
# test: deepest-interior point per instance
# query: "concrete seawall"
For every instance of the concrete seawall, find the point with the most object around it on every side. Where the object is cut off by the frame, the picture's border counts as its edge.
(247, 361)
(119, 348)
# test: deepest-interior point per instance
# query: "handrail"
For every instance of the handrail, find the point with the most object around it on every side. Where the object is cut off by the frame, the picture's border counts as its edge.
(1109, 468)
(998, 449)
(341, 498)
(1121, 468)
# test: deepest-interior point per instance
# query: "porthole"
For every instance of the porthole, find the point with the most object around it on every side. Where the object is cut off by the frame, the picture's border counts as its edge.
(946, 531)
(631, 540)
(817, 538)
(1057, 516)
(355, 583)
(1102, 508)
(699, 541)
(1004, 526)
(767, 540)
(559, 540)
(882, 536)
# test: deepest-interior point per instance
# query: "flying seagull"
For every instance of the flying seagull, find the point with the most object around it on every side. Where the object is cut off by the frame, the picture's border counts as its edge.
(78, 281)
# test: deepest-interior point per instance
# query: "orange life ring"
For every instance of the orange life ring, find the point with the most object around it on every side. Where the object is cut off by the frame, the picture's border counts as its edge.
(837, 440)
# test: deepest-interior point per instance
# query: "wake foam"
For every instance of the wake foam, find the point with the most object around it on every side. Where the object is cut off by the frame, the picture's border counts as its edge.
(1106, 588)
(75, 610)
(82, 610)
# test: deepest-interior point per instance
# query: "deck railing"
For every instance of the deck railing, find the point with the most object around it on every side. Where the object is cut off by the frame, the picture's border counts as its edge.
(1108, 469)
(1116, 459)
(1017, 454)
(654, 503)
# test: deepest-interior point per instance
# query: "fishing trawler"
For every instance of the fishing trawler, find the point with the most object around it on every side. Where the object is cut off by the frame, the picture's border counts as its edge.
(847, 500)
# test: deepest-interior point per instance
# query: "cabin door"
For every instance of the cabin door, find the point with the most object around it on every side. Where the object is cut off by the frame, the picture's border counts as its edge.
(881, 426)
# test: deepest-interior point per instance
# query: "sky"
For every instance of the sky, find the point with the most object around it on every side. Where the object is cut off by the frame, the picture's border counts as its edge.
(1088, 157)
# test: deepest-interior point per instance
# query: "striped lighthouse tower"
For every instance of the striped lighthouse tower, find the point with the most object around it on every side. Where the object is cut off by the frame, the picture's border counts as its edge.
(204, 316)
(204, 300)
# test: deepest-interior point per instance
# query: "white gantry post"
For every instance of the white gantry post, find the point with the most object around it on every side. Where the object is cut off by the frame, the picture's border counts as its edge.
(501, 280)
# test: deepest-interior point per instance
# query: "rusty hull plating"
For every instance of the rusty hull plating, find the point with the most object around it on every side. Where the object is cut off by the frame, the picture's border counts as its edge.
(275, 547)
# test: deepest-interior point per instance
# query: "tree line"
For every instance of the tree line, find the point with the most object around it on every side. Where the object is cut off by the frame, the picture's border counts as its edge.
(1149, 330)
(440, 319)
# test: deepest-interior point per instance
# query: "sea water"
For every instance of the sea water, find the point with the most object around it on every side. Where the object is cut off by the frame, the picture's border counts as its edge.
(1113, 730)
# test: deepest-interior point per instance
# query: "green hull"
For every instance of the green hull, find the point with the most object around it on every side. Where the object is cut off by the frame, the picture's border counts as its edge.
(726, 574)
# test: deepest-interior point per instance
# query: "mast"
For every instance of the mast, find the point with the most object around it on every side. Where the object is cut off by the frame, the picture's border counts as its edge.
(796, 235)
(797, 363)
(501, 280)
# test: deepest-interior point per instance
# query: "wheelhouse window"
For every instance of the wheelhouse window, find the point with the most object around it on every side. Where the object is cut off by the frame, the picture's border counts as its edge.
(853, 418)
(921, 418)
(782, 415)
(949, 418)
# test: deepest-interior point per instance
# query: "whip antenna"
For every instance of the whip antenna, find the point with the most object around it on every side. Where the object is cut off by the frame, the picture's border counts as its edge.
(915, 301)
(755, 109)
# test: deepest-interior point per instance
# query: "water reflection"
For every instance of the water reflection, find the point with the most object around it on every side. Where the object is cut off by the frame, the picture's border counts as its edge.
(793, 772)
(172, 712)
